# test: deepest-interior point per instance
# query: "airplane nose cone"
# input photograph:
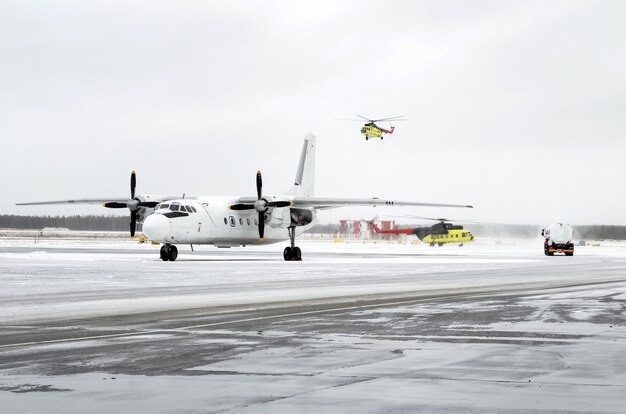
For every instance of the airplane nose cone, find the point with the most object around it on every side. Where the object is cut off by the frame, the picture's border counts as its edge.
(156, 227)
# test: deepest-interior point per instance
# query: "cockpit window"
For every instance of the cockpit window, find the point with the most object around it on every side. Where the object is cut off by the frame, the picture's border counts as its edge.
(174, 207)
(189, 209)
(163, 206)
(194, 209)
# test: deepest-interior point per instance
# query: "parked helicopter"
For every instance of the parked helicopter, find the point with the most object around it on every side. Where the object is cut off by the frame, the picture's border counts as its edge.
(440, 233)
(371, 130)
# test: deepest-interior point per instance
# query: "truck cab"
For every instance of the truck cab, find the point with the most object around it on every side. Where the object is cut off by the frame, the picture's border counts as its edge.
(558, 239)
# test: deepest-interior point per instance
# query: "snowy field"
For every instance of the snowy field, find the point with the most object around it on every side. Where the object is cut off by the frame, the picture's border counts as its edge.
(493, 326)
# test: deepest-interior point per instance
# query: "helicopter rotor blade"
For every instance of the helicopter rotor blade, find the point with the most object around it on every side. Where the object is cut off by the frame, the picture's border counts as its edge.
(418, 217)
(393, 118)
(448, 220)
(349, 119)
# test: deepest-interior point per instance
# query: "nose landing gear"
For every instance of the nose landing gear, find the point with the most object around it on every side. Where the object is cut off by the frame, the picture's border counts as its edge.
(293, 252)
(169, 252)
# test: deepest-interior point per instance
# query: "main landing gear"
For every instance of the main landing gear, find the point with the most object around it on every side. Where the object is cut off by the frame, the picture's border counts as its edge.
(169, 252)
(293, 252)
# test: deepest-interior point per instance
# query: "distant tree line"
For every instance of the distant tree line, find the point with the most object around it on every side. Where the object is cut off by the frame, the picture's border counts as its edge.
(581, 232)
(84, 223)
(600, 232)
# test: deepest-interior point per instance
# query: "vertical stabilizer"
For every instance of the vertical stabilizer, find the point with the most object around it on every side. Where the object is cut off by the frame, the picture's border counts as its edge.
(304, 184)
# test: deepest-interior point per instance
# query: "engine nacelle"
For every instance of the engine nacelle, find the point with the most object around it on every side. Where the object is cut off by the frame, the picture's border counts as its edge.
(278, 218)
(301, 216)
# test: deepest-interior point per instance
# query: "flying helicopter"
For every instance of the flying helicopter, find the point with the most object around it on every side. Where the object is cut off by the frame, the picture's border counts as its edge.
(439, 233)
(371, 130)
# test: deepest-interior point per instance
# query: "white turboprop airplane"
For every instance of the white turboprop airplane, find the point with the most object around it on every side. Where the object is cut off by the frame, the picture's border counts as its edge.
(235, 221)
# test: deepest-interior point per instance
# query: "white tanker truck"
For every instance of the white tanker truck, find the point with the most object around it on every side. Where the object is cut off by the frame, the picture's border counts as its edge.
(558, 239)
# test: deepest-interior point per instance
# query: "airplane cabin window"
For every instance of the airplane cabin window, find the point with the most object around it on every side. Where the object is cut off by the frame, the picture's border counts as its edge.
(256, 223)
(240, 221)
(225, 220)
(248, 219)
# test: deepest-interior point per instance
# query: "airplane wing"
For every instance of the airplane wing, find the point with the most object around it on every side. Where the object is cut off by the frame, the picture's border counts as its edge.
(77, 201)
(115, 202)
(326, 203)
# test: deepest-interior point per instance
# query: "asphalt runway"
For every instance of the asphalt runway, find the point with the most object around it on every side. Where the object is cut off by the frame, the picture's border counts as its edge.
(355, 328)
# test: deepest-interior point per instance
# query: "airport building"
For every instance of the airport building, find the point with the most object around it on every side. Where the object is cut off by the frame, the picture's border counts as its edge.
(361, 229)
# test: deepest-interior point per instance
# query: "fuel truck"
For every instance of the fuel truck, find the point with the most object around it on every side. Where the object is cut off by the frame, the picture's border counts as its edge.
(558, 239)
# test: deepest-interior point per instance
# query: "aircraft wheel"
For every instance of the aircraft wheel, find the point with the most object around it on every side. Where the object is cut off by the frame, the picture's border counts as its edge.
(164, 253)
(294, 254)
(172, 254)
(440, 244)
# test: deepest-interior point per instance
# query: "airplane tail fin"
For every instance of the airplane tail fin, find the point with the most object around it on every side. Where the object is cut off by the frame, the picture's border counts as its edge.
(304, 184)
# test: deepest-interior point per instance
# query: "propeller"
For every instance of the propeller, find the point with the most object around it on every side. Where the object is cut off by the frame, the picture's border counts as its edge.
(261, 205)
(133, 204)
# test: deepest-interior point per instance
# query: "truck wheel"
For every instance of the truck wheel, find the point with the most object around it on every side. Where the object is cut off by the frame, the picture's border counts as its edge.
(569, 254)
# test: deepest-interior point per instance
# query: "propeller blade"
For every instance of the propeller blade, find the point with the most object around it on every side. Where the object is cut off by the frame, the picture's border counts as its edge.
(133, 184)
(148, 204)
(279, 204)
(133, 223)
(242, 207)
(261, 225)
(259, 184)
(115, 204)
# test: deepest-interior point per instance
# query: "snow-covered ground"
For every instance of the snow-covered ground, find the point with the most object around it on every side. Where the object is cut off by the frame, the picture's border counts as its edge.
(59, 278)
(558, 350)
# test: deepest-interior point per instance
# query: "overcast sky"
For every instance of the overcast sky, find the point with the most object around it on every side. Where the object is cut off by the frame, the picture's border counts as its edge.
(517, 107)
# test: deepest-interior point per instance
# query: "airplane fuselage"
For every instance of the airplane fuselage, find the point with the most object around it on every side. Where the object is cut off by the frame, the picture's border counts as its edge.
(208, 220)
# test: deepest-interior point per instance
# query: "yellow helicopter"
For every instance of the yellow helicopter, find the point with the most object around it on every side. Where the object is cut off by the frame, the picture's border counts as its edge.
(440, 233)
(371, 130)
